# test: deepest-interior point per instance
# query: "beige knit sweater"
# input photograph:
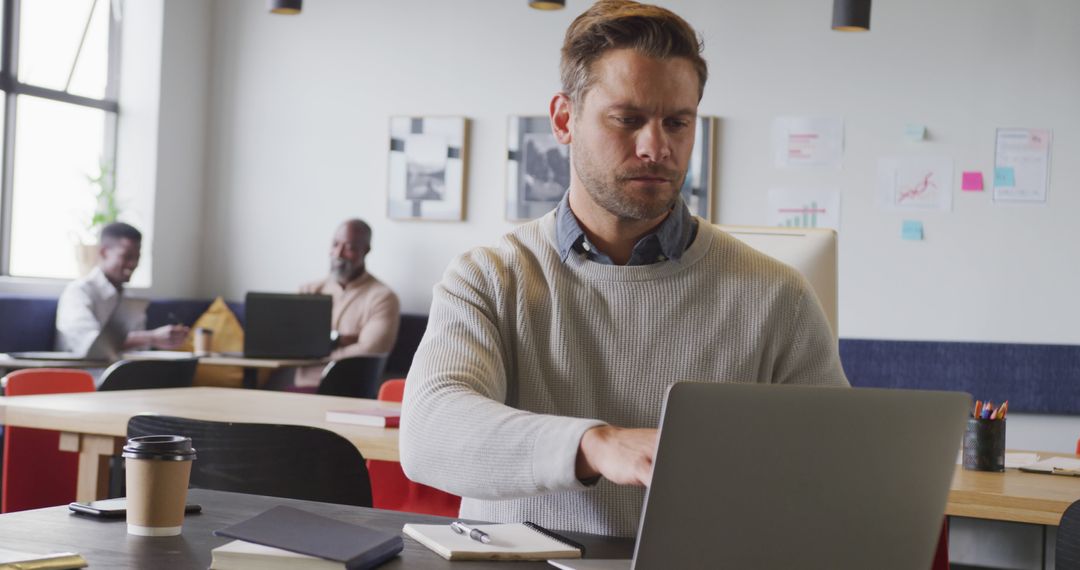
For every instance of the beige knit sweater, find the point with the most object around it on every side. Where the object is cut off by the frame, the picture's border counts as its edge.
(523, 353)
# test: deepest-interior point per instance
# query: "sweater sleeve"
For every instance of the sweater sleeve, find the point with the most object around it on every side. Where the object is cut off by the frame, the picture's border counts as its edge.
(811, 355)
(457, 434)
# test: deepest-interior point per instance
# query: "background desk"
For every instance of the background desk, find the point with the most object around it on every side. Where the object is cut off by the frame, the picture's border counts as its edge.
(251, 366)
(7, 363)
(1013, 496)
(106, 544)
(94, 424)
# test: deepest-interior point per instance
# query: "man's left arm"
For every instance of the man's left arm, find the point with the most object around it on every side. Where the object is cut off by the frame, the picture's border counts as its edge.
(377, 333)
(811, 355)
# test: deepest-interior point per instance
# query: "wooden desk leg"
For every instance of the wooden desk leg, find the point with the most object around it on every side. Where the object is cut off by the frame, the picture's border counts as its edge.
(94, 453)
(251, 377)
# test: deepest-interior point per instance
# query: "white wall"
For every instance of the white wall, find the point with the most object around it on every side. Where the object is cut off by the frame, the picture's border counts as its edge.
(300, 122)
(298, 141)
(181, 147)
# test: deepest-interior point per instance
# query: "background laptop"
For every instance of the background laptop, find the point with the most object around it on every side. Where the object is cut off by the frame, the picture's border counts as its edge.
(762, 476)
(282, 325)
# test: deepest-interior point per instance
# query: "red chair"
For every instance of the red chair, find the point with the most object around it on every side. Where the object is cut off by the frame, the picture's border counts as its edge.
(36, 473)
(941, 556)
(391, 489)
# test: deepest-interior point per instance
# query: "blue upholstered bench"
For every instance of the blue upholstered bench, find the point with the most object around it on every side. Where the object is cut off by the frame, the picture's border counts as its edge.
(1035, 378)
(28, 323)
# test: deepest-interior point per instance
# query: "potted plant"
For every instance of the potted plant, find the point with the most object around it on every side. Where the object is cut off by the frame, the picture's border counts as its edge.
(106, 211)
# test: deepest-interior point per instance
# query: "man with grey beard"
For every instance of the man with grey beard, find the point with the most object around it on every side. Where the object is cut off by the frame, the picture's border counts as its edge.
(366, 312)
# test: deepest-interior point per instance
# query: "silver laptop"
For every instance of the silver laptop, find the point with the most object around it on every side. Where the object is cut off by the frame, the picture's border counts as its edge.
(762, 476)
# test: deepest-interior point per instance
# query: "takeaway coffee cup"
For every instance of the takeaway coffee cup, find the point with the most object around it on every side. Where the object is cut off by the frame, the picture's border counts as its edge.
(158, 468)
(203, 336)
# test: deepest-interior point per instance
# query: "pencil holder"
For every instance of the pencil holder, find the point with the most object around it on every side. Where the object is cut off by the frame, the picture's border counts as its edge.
(984, 445)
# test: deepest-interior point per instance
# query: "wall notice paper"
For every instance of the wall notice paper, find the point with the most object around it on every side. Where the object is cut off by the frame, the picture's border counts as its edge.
(915, 183)
(911, 230)
(972, 182)
(1022, 165)
(808, 141)
(804, 208)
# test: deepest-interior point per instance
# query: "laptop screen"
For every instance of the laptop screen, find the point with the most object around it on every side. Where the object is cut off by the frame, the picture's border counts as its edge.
(282, 325)
(768, 476)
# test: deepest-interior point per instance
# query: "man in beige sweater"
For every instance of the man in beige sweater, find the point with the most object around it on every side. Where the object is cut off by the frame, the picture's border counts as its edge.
(536, 391)
(366, 313)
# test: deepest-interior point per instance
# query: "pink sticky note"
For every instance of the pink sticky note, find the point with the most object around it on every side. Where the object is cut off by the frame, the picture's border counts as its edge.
(972, 181)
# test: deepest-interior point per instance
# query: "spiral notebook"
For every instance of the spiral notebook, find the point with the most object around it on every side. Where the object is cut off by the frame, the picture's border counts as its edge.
(515, 541)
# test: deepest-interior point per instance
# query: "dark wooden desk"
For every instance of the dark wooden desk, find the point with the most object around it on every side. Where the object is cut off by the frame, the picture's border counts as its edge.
(106, 544)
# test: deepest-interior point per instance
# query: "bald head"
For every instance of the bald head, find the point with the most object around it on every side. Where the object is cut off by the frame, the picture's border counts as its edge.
(352, 242)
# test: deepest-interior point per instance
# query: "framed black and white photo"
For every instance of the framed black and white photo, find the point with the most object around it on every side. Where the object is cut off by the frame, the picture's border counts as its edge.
(538, 168)
(426, 178)
(697, 188)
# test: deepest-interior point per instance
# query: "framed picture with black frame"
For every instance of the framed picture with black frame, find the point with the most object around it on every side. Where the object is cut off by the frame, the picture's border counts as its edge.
(697, 188)
(537, 168)
(426, 170)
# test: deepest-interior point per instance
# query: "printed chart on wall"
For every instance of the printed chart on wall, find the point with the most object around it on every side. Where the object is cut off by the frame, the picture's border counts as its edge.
(1022, 165)
(804, 208)
(808, 141)
(915, 182)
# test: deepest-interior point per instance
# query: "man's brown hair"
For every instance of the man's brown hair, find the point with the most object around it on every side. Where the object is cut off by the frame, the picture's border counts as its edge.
(616, 24)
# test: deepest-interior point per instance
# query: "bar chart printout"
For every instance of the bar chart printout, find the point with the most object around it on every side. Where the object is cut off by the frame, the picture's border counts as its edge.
(804, 208)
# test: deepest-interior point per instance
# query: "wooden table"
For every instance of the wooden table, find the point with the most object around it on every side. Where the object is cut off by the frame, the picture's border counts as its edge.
(251, 366)
(1014, 495)
(106, 544)
(94, 424)
(8, 362)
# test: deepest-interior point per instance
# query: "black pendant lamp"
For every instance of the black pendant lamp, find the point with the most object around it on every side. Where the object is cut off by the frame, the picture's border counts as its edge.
(547, 4)
(851, 15)
(287, 7)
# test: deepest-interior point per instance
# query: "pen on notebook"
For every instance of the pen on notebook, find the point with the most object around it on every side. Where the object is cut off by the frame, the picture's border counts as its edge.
(554, 535)
(473, 533)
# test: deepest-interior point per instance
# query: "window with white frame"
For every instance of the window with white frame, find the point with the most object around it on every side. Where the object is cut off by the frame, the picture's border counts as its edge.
(59, 63)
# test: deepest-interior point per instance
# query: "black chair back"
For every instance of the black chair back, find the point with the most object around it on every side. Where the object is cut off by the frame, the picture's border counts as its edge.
(143, 374)
(355, 376)
(1067, 549)
(290, 461)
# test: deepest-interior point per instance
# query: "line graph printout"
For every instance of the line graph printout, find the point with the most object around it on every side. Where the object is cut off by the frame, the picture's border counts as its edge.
(915, 183)
(1022, 165)
(804, 208)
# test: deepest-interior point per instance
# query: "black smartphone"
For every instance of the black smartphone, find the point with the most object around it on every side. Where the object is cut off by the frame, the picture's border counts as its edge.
(114, 508)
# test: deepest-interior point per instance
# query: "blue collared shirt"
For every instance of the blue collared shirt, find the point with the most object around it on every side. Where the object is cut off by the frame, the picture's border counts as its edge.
(669, 241)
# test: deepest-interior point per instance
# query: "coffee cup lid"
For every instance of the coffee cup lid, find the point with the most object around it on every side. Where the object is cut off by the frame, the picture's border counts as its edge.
(167, 447)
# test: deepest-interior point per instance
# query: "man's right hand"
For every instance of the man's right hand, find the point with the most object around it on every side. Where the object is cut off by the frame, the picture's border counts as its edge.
(168, 336)
(623, 456)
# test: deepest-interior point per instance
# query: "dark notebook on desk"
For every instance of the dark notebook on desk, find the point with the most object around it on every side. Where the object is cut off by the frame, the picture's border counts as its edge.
(282, 325)
(356, 546)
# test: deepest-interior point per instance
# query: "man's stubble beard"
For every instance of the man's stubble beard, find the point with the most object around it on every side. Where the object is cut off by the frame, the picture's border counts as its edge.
(608, 194)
